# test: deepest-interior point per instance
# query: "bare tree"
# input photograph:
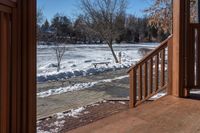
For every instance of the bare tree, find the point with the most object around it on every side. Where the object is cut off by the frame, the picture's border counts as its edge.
(59, 49)
(160, 14)
(101, 17)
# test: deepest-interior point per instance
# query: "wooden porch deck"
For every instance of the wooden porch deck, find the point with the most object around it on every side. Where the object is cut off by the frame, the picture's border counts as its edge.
(166, 115)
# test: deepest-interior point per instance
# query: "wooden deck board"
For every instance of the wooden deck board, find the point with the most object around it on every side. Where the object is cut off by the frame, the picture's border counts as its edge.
(167, 115)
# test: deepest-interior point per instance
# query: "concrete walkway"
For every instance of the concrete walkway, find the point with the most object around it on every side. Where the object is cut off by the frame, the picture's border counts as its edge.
(118, 89)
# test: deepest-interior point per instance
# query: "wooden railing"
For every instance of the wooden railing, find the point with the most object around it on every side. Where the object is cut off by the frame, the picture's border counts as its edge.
(151, 75)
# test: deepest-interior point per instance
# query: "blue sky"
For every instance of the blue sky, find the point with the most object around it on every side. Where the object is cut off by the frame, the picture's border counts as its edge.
(70, 7)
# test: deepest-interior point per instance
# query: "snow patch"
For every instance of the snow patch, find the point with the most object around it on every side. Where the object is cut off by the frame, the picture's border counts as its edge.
(95, 104)
(41, 131)
(75, 112)
(112, 102)
(60, 117)
(159, 95)
(122, 102)
(194, 92)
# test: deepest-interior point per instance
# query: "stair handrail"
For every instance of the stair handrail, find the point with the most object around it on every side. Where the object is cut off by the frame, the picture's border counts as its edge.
(141, 72)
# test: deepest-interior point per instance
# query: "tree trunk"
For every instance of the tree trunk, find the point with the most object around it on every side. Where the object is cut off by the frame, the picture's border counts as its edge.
(58, 67)
(113, 53)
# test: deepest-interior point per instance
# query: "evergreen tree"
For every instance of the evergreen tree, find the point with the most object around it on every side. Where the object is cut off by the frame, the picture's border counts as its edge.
(61, 25)
(46, 26)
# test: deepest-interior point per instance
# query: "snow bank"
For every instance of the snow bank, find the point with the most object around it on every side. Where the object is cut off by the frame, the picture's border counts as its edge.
(56, 76)
(75, 87)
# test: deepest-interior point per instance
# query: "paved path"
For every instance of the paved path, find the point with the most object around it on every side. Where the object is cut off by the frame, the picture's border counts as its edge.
(117, 89)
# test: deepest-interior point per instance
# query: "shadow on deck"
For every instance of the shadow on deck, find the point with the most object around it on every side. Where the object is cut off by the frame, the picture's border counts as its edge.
(166, 115)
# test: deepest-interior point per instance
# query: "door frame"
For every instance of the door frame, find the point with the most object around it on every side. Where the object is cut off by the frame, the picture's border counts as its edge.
(22, 87)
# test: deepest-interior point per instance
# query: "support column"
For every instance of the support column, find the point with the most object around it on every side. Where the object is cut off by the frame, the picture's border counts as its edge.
(179, 30)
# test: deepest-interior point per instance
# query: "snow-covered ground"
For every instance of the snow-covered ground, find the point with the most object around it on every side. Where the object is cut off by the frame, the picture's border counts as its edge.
(78, 60)
(60, 120)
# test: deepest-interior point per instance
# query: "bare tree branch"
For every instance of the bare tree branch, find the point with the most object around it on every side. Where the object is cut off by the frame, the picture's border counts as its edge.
(59, 49)
(101, 16)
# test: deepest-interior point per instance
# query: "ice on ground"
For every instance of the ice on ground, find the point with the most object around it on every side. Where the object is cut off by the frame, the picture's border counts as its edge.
(78, 60)
(76, 87)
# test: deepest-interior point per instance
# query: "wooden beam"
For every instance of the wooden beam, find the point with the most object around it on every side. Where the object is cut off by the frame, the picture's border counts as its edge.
(4, 71)
(18, 66)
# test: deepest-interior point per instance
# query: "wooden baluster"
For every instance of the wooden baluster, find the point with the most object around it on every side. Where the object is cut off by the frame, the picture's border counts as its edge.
(162, 76)
(133, 87)
(151, 76)
(140, 82)
(145, 80)
(156, 71)
(169, 65)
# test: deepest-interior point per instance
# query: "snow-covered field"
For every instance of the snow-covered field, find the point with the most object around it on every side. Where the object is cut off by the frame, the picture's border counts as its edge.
(78, 60)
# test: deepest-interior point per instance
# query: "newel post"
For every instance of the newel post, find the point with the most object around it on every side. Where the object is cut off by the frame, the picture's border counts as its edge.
(132, 95)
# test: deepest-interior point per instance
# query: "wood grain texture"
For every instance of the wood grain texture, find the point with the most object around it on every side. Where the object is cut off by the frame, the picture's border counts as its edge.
(18, 66)
(4, 79)
(170, 113)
